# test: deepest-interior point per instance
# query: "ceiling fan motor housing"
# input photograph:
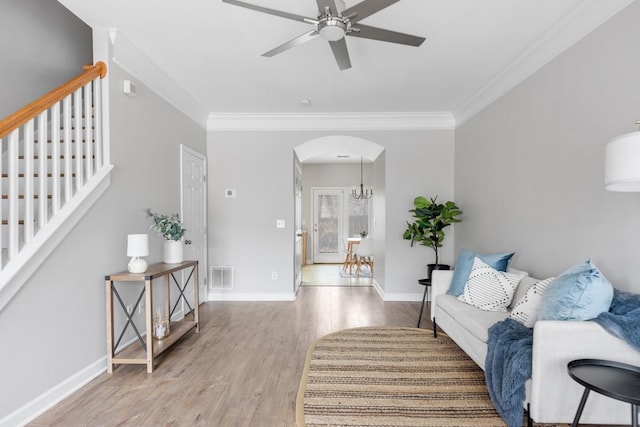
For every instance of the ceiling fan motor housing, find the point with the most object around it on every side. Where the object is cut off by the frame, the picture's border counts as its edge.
(333, 28)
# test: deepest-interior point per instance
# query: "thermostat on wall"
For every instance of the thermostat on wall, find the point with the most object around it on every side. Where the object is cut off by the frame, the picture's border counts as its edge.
(128, 88)
(230, 193)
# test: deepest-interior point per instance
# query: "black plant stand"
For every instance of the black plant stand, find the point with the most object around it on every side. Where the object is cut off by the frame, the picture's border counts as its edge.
(426, 283)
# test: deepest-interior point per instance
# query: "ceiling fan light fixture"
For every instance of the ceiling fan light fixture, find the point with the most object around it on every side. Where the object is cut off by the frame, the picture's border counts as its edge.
(332, 29)
(333, 22)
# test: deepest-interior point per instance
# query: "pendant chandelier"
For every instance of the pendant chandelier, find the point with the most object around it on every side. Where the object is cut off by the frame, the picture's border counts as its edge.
(362, 194)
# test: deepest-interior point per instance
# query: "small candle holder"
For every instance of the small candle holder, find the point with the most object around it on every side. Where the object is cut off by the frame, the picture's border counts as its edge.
(161, 325)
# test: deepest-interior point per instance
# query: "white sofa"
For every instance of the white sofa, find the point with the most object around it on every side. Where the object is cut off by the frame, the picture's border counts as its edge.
(551, 395)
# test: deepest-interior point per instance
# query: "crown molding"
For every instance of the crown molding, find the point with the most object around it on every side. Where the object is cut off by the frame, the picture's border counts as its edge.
(134, 61)
(585, 17)
(330, 121)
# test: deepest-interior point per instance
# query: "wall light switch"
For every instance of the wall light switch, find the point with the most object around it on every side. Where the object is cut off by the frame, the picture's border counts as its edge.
(280, 223)
(230, 193)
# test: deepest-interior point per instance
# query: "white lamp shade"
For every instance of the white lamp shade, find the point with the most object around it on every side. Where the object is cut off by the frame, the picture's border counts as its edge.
(137, 245)
(622, 163)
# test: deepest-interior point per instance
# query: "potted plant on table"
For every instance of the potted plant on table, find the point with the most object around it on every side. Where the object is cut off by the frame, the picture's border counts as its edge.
(431, 218)
(171, 229)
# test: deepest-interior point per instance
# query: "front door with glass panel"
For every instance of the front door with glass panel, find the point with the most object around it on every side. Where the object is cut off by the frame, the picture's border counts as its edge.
(337, 216)
(328, 211)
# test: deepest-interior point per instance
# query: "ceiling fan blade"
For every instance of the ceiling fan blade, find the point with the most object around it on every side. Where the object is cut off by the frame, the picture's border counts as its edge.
(271, 11)
(303, 38)
(367, 8)
(331, 4)
(367, 32)
(339, 48)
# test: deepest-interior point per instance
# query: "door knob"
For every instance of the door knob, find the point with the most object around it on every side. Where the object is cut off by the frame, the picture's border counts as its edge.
(187, 242)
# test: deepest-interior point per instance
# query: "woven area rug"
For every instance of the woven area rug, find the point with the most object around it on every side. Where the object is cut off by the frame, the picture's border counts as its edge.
(392, 377)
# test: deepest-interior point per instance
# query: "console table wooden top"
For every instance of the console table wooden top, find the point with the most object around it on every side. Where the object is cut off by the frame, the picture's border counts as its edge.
(154, 271)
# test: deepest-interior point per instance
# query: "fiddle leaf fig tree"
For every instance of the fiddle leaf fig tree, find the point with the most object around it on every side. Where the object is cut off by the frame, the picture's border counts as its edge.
(431, 218)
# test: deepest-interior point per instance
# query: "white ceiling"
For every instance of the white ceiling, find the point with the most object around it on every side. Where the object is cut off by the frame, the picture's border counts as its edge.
(475, 51)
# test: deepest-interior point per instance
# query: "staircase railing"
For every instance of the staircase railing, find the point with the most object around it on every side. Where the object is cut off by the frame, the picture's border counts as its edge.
(53, 153)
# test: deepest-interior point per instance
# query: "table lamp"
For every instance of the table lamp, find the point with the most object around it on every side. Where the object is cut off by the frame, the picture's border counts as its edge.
(137, 246)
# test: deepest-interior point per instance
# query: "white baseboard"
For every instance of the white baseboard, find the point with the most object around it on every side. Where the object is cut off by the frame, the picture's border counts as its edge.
(396, 297)
(54, 395)
(378, 289)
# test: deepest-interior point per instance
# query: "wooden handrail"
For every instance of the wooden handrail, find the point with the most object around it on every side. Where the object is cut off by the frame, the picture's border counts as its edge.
(22, 116)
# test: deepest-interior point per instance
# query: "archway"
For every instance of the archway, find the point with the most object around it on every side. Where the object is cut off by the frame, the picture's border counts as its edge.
(334, 145)
(330, 153)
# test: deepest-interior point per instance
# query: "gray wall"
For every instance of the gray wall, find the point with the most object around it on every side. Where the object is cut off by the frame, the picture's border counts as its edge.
(421, 163)
(55, 325)
(378, 231)
(529, 169)
(36, 56)
(258, 165)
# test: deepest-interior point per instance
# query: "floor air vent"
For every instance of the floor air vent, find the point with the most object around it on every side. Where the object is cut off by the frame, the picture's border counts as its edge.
(221, 277)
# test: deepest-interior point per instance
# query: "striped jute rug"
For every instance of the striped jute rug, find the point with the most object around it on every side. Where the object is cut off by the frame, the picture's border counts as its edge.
(392, 377)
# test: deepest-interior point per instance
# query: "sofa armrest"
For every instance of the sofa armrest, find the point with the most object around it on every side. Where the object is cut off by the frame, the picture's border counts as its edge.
(554, 395)
(440, 281)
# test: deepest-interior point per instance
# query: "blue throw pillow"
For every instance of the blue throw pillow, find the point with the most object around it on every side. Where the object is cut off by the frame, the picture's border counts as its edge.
(580, 293)
(464, 263)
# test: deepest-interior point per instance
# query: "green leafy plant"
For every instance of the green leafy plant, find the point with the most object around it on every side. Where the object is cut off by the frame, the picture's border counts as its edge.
(168, 226)
(431, 218)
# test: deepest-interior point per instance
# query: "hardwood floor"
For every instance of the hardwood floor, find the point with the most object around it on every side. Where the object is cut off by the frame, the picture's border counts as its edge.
(332, 275)
(242, 369)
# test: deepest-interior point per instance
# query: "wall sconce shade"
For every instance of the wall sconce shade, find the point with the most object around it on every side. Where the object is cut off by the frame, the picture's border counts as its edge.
(622, 163)
(137, 246)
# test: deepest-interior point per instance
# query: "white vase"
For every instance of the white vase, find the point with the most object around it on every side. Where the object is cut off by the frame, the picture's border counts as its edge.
(173, 252)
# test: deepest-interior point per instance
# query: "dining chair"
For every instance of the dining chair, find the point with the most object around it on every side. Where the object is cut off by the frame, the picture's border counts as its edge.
(364, 254)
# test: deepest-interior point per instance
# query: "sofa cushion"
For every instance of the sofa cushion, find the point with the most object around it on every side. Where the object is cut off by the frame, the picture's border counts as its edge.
(464, 263)
(526, 309)
(489, 289)
(450, 305)
(580, 293)
(478, 322)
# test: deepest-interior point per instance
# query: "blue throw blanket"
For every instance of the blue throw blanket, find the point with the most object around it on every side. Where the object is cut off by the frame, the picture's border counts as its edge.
(508, 362)
(623, 318)
(507, 368)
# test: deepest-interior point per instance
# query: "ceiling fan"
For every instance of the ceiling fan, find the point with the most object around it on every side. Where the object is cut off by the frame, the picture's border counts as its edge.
(334, 22)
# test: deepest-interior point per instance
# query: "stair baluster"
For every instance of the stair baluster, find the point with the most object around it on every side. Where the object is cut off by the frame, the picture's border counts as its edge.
(51, 150)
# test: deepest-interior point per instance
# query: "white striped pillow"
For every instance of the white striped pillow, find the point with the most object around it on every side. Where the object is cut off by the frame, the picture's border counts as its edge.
(489, 289)
(526, 309)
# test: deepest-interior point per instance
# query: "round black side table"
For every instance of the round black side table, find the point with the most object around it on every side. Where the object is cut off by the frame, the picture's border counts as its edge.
(426, 283)
(613, 379)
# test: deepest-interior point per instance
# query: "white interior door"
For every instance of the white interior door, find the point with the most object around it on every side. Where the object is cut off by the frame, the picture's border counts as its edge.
(328, 225)
(193, 167)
